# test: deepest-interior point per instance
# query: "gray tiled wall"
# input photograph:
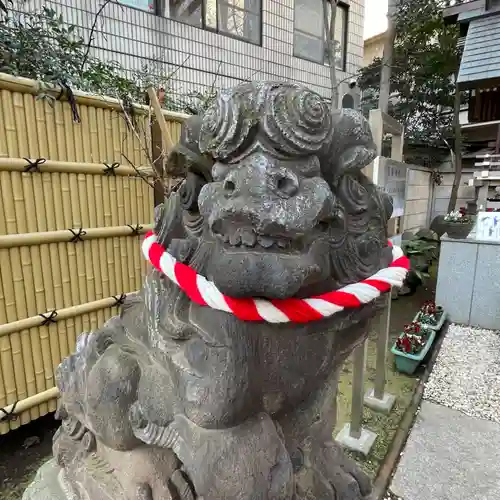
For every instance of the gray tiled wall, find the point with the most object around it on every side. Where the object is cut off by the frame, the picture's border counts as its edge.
(134, 38)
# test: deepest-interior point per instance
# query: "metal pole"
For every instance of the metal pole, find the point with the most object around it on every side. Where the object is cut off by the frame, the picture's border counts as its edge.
(382, 343)
(358, 376)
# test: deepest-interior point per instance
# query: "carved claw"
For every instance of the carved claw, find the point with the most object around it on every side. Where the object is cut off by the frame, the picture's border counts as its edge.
(182, 485)
(149, 432)
(347, 479)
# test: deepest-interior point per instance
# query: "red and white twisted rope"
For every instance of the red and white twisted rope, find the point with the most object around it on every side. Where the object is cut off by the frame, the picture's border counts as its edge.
(205, 293)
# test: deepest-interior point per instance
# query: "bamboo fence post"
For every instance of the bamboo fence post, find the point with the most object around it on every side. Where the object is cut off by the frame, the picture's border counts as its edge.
(30, 257)
(4, 256)
(11, 348)
(50, 223)
(4, 426)
(16, 326)
(43, 354)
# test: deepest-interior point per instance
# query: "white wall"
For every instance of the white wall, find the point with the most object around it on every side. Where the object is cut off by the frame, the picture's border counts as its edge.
(442, 193)
(134, 38)
(418, 197)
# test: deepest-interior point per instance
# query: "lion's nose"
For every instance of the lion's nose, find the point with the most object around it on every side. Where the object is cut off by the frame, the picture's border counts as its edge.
(281, 182)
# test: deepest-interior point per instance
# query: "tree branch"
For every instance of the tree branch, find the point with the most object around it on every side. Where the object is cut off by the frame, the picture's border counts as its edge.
(92, 31)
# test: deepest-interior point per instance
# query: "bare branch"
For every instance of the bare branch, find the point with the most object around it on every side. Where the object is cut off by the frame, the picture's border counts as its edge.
(92, 31)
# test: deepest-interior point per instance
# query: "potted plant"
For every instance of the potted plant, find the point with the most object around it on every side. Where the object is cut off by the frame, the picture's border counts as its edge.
(412, 346)
(421, 253)
(458, 225)
(431, 316)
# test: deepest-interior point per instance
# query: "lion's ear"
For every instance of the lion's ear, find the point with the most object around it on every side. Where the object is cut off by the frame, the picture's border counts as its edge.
(352, 147)
(355, 158)
(185, 160)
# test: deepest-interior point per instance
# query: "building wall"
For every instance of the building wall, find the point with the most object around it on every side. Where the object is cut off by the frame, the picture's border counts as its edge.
(418, 197)
(442, 193)
(199, 58)
(373, 47)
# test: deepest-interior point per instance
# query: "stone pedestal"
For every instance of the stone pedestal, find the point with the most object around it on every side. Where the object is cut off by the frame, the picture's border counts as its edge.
(468, 285)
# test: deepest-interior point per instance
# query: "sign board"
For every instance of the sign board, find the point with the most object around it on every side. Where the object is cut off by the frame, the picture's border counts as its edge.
(488, 226)
(390, 177)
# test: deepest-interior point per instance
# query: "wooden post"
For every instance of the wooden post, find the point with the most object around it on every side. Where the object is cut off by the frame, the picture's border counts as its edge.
(167, 143)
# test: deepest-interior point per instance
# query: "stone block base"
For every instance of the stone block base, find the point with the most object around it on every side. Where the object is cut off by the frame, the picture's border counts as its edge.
(383, 405)
(363, 444)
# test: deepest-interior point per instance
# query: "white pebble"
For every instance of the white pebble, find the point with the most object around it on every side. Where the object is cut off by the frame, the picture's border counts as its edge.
(466, 375)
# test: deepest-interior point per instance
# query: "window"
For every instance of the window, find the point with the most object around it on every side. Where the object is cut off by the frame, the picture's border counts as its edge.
(148, 5)
(237, 18)
(309, 37)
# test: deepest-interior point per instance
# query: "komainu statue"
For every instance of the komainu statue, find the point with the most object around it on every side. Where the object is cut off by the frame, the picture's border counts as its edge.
(218, 380)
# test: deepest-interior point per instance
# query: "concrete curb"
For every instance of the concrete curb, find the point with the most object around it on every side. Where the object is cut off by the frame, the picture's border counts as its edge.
(391, 460)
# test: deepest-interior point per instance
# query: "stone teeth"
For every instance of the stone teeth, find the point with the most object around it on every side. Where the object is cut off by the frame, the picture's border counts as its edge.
(248, 237)
(235, 238)
(265, 242)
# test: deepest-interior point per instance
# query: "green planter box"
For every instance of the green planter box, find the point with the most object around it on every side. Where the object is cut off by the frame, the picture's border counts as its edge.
(408, 363)
(437, 327)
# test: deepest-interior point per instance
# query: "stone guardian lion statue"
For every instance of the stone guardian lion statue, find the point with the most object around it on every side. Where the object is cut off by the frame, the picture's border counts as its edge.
(218, 380)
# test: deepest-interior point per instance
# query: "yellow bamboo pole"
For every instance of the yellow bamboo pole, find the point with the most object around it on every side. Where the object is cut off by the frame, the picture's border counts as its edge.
(48, 148)
(68, 312)
(39, 285)
(51, 328)
(72, 134)
(11, 348)
(23, 196)
(4, 152)
(5, 371)
(4, 256)
(4, 426)
(28, 86)
(16, 164)
(98, 128)
(31, 259)
(37, 400)
(107, 129)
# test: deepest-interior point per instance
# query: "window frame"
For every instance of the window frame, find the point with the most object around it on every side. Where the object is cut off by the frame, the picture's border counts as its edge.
(345, 37)
(153, 12)
(226, 33)
(160, 7)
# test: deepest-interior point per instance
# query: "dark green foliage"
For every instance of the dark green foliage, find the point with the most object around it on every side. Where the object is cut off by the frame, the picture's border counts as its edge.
(41, 46)
(425, 61)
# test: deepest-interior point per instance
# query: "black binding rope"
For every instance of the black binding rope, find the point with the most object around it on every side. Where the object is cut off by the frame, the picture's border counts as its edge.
(48, 317)
(77, 236)
(66, 89)
(9, 416)
(34, 166)
(119, 299)
(110, 169)
(136, 229)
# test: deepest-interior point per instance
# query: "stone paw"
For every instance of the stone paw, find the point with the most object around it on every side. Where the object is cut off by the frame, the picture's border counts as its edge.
(326, 472)
(347, 479)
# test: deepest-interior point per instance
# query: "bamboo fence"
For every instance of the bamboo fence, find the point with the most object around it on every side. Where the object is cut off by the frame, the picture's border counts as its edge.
(72, 210)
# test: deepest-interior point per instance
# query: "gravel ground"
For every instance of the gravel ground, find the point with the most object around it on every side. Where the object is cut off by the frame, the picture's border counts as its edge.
(466, 375)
